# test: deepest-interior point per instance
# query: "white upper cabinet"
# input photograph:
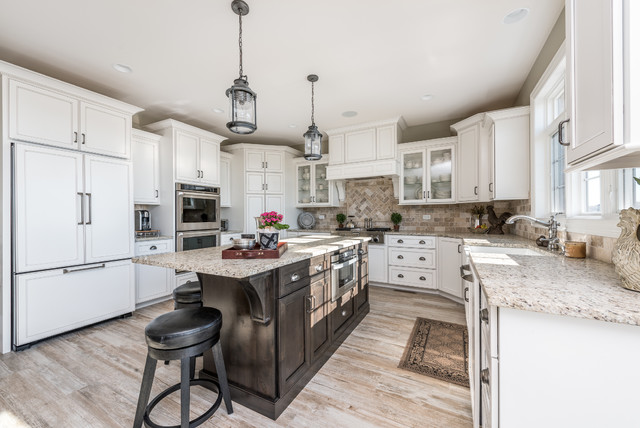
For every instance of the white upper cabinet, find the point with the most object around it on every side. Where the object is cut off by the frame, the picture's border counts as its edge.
(225, 179)
(468, 145)
(364, 150)
(46, 111)
(209, 161)
(602, 64)
(145, 156)
(313, 188)
(187, 164)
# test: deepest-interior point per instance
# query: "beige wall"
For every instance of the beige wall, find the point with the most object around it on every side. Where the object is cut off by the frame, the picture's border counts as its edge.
(429, 131)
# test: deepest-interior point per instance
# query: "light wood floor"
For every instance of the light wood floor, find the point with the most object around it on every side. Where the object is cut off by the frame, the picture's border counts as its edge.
(91, 378)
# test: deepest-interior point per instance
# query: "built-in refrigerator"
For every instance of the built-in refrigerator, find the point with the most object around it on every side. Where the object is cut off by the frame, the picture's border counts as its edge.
(73, 238)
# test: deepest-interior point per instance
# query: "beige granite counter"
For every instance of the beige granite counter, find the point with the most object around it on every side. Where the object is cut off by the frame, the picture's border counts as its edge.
(210, 261)
(153, 238)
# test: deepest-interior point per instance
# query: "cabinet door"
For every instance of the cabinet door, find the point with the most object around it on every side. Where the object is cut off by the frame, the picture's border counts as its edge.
(255, 182)
(274, 203)
(386, 142)
(342, 314)
(449, 264)
(360, 146)
(293, 358)
(225, 183)
(318, 322)
(590, 72)
(54, 301)
(468, 142)
(511, 161)
(336, 149)
(153, 282)
(209, 162)
(104, 131)
(42, 116)
(304, 185)
(108, 209)
(378, 263)
(274, 182)
(254, 206)
(254, 160)
(413, 174)
(146, 171)
(48, 220)
(274, 161)
(440, 174)
(187, 148)
(322, 188)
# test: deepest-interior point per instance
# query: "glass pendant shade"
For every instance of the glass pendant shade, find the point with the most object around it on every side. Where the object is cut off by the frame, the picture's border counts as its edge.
(312, 143)
(242, 108)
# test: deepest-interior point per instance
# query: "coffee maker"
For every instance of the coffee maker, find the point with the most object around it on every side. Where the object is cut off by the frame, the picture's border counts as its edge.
(143, 222)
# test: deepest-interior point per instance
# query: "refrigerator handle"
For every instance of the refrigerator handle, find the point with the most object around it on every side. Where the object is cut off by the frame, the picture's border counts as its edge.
(89, 201)
(81, 195)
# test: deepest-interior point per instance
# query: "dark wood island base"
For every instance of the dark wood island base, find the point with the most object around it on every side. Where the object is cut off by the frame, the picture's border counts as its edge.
(280, 327)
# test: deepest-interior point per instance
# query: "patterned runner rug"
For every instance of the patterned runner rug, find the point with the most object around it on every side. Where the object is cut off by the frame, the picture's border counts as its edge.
(438, 349)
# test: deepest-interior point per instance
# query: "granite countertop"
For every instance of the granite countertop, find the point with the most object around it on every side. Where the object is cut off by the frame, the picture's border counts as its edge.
(210, 261)
(153, 238)
(230, 231)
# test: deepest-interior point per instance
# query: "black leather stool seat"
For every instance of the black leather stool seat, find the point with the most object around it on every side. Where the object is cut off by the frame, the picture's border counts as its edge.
(190, 292)
(183, 327)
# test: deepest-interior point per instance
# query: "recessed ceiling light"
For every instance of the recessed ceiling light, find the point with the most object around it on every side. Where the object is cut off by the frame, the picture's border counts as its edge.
(350, 113)
(293, 125)
(516, 15)
(218, 110)
(122, 68)
(426, 97)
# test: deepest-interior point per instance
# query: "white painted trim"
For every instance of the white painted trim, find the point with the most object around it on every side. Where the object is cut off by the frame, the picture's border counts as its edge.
(399, 121)
(244, 146)
(174, 124)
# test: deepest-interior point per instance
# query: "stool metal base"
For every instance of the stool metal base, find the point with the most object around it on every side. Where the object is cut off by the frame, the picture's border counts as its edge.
(205, 383)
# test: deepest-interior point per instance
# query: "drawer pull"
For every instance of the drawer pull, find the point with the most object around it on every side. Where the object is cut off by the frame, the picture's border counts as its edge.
(484, 315)
(400, 275)
(344, 313)
(422, 242)
(153, 247)
(459, 248)
(400, 241)
(422, 278)
(319, 268)
(484, 376)
(295, 277)
(401, 257)
(312, 303)
(466, 294)
(422, 259)
(64, 271)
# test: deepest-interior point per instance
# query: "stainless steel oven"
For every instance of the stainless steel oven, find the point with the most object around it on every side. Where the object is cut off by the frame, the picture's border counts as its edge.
(344, 273)
(195, 240)
(197, 207)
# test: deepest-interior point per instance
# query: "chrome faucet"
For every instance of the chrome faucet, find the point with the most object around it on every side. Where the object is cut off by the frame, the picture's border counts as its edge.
(553, 242)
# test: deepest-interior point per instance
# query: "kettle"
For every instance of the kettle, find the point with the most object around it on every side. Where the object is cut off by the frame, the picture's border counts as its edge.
(350, 224)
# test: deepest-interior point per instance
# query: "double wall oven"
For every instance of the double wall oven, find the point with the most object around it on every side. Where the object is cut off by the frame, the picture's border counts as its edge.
(197, 217)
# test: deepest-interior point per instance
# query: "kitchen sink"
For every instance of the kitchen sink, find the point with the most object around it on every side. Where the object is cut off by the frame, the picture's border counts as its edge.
(516, 251)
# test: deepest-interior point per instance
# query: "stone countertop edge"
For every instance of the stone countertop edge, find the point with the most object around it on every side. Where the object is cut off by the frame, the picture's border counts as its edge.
(154, 238)
(210, 261)
(230, 231)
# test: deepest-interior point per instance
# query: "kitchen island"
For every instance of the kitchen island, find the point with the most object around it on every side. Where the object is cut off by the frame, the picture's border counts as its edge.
(281, 319)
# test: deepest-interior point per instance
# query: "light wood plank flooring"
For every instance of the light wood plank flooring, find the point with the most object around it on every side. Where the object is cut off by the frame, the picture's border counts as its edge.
(91, 378)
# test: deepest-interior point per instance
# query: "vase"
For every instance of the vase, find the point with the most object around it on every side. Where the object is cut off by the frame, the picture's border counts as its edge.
(626, 253)
(269, 240)
(396, 227)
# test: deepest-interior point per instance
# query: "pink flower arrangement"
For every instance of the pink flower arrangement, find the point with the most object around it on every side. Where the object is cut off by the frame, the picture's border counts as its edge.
(272, 219)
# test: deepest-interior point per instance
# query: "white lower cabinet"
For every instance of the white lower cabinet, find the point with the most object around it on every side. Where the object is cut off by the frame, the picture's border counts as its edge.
(55, 301)
(153, 282)
(185, 277)
(449, 262)
(378, 270)
(227, 238)
(413, 261)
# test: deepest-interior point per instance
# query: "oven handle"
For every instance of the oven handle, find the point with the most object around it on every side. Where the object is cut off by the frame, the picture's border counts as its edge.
(344, 264)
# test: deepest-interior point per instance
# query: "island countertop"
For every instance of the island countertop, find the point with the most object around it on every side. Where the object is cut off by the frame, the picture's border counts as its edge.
(210, 261)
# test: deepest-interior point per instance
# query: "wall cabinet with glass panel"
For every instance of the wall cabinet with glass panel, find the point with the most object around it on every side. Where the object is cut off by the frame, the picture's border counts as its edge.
(313, 188)
(427, 171)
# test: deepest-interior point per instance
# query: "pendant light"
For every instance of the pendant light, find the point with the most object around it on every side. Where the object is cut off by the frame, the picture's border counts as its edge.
(242, 100)
(312, 138)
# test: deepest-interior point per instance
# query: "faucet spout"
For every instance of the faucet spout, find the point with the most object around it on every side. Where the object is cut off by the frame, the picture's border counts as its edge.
(514, 218)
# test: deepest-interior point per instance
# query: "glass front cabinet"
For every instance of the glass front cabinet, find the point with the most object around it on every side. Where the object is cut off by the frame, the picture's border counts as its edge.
(314, 190)
(428, 172)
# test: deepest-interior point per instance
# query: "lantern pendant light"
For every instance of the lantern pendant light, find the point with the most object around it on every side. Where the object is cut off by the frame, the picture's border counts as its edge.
(242, 100)
(312, 138)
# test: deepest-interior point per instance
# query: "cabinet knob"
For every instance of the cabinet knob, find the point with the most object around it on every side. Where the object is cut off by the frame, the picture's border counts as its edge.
(484, 376)
(422, 278)
(295, 277)
(401, 257)
(422, 242)
(400, 241)
(153, 247)
(343, 313)
(400, 275)
(484, 315)
(319, 268)
(422, 259)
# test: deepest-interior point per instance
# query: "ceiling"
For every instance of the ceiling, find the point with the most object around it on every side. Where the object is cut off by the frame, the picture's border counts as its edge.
(377, 58)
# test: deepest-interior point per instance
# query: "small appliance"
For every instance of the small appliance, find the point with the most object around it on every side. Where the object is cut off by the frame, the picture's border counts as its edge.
(143, 221)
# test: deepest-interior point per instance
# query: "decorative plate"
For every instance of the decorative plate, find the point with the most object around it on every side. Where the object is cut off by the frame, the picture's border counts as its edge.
(418, 193)
(306, 220)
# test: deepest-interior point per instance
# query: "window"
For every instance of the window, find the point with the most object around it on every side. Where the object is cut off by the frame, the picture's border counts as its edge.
(591, 192)
(558, 186)
(630, 190)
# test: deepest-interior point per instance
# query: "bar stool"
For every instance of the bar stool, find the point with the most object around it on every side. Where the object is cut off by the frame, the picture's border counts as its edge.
(187, 295)
(181, 335)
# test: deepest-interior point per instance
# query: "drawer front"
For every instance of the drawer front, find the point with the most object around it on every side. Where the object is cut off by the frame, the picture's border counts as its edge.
(411, 241)
(153, 247)
(422, 278)
(342, 313)
(425, 259)
(364, 267)
(227, 238)
(318, 264)
(363, 248)
(293, 277)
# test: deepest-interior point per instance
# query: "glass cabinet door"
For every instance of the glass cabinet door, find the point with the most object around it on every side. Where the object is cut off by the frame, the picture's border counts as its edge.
(440, 174)
(321, 183)
(304, 184)
(412, 176)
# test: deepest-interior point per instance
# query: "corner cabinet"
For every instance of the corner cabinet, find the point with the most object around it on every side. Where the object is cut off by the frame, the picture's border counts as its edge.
(602, 63)
(47, 111)
(313, 188)
(145, 156)
(427, 172)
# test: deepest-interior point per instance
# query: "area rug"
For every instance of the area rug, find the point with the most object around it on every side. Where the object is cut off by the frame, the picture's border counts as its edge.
(438, 349)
